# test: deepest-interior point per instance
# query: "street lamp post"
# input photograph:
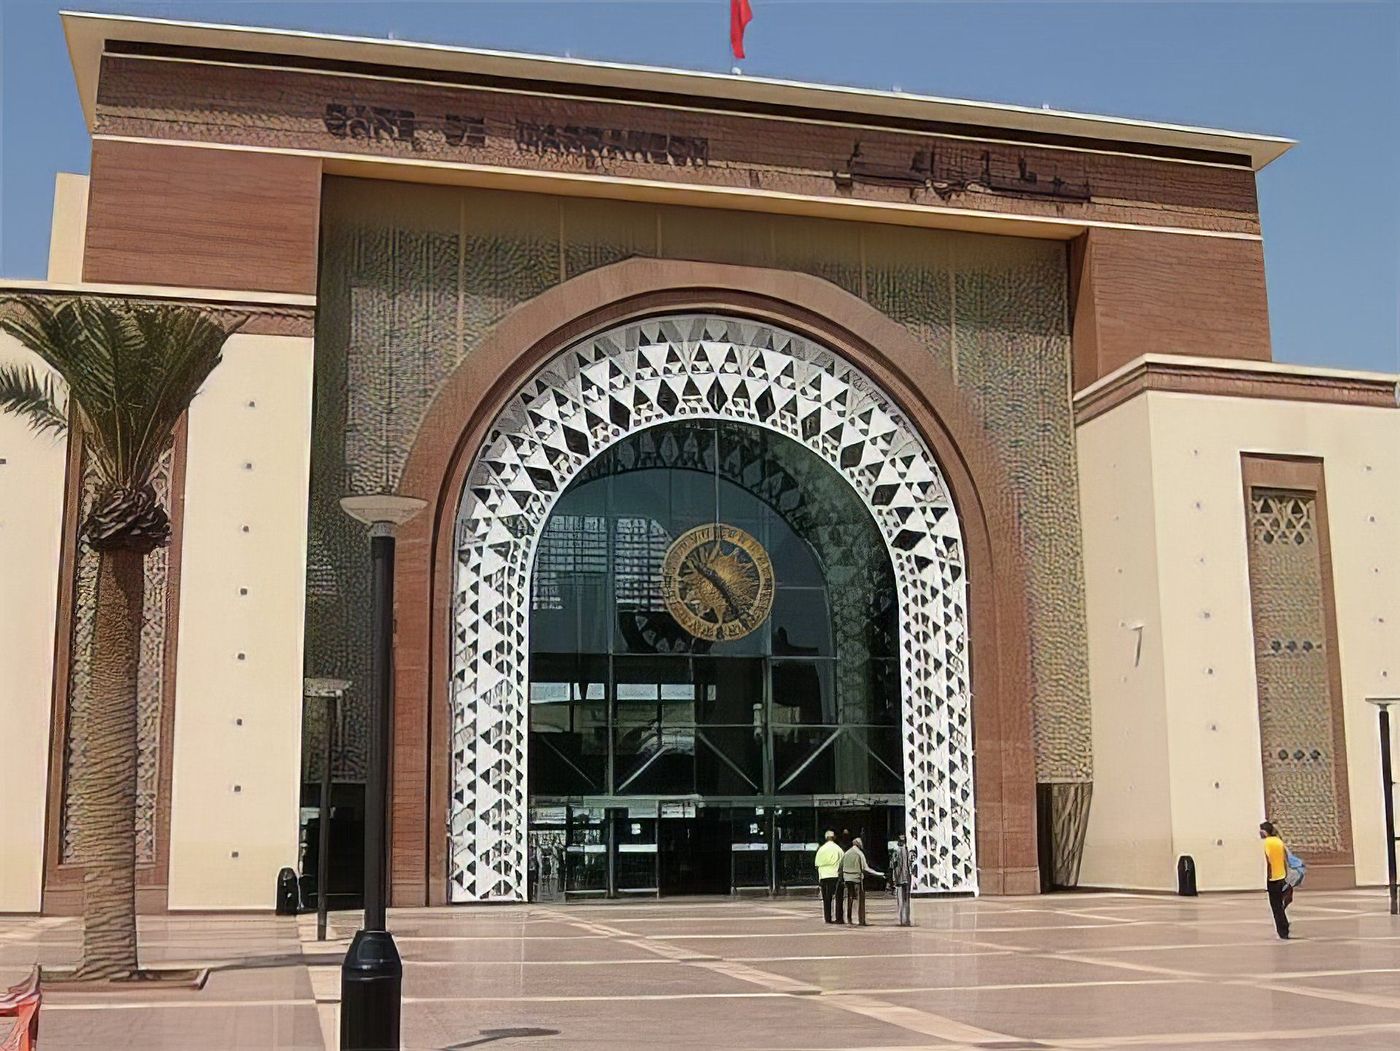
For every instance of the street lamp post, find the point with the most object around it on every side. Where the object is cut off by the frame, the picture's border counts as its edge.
(1388, 787)
(371, 978)
(331, 691)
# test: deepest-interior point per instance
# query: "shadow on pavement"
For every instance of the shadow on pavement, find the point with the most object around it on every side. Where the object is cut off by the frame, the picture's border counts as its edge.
(489, 1036)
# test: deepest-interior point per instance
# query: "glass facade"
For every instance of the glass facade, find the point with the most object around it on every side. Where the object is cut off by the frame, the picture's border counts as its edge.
(662, 762)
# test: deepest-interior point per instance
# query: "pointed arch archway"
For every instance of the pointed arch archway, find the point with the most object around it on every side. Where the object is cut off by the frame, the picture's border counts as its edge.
(461, 423)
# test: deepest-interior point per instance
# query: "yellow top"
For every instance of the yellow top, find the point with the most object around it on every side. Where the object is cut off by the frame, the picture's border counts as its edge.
(1275, 852)
(829, 860)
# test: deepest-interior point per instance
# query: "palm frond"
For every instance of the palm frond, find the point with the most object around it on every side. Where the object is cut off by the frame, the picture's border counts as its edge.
(131, 370)
(193, 342)
(37, 399)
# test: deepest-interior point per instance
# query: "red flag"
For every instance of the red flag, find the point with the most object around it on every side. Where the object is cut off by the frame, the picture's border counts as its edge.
(740, 15)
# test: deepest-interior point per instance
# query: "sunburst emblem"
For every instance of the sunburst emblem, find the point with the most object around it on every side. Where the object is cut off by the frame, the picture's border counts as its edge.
(718, 582)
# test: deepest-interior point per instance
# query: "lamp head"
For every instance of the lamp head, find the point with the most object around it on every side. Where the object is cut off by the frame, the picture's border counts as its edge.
(382, 509)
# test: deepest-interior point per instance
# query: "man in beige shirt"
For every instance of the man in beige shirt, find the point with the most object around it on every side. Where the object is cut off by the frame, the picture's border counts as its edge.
(854, 869)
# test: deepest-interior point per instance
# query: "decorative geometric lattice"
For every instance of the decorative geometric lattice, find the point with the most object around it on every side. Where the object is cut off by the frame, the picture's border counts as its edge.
(414, 277)
(1296, 716)
(150, 677)
(698, 367)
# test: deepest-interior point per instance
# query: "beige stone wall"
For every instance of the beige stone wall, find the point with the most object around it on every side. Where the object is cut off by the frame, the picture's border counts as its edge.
(68, 232)
(236, 777)
(31, 527)
(1193, 543)
(31, 532)
(1129, 839)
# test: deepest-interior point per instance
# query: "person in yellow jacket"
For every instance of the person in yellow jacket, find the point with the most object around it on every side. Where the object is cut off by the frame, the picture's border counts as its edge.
(1276, 875)
(829, 876)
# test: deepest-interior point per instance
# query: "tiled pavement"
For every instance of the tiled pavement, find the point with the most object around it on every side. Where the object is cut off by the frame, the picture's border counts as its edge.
(1083, 971)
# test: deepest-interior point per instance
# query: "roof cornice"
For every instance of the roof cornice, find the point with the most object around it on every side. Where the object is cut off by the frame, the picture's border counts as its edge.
(88, 34)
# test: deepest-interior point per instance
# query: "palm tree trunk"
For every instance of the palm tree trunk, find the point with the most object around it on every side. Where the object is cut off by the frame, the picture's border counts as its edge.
(105, 780)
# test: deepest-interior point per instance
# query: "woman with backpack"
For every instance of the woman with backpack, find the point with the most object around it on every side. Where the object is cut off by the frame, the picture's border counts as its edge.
(1277, 863)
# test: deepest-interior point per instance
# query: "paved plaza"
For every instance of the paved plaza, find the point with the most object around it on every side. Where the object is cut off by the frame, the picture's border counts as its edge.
(1084, 971)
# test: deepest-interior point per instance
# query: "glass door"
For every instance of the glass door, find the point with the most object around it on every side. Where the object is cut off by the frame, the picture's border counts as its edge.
(634, 840)
(751, 848)
(586, 853)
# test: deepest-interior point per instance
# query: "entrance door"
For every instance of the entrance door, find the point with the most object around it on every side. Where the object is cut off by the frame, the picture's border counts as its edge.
(694, 853)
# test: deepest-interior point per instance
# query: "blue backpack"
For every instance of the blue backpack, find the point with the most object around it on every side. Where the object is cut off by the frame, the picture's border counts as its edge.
(1294, 869)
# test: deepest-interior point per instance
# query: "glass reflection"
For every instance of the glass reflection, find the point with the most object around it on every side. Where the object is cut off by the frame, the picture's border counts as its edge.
(628, 709)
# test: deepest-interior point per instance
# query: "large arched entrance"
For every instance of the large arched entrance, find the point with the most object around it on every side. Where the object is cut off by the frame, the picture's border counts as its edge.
(755, 391)
(714, 669)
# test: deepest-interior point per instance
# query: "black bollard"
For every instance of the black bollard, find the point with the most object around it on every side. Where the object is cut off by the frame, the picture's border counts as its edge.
(287, 894)
(1186, 876)
(371, 986)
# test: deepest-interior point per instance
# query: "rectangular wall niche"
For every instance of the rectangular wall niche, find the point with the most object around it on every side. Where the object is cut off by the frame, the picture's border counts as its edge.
(1301, 731)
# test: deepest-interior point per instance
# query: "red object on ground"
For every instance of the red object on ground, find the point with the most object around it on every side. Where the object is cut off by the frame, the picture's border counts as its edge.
(740, 15)
(19, 1015)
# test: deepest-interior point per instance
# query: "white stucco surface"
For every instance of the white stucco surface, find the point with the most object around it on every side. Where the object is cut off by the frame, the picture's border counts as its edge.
(1174, 556)
(1129, 841)
(236, 776)
(31, 527)
(68, 232)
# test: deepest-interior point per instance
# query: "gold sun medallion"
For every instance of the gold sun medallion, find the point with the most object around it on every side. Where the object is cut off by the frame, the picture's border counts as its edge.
(718, 582)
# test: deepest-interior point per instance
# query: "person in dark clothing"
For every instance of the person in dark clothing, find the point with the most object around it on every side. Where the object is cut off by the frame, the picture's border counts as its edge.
(901, 876)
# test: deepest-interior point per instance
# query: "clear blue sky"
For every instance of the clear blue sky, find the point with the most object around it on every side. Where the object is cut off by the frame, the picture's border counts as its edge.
(1326, 74)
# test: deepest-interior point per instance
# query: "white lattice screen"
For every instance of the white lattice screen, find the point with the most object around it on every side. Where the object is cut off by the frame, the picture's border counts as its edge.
(637, 376)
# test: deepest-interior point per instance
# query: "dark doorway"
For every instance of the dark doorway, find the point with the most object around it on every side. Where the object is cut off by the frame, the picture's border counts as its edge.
(694, 853)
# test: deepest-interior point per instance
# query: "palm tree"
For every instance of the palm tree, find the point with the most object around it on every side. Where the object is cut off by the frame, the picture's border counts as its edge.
(130, 371)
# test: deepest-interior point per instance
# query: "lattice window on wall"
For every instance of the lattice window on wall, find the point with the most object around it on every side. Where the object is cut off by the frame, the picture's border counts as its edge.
(1297, 723)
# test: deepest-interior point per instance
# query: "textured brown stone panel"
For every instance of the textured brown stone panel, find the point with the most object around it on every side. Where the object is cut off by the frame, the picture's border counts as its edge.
(466, 406)
(1301, 723)
(201, 218)
(392, 118)
(988, 316)
(462, 410)
(1139, 292)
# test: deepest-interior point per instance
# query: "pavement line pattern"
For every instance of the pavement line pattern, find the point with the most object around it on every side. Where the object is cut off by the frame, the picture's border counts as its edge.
(917, 1021)
(410, 938)
(1313, 1036)
(922, 1022)
(650, 961)
(873, 956)
(1103, 961)
(111, 1002)
(728, 968)
(1362, 999)
(995, 986)
(1321, 974)
(585, 998)
(974, 975)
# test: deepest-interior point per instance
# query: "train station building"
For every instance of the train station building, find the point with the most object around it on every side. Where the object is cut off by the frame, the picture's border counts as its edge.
(792, 457)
